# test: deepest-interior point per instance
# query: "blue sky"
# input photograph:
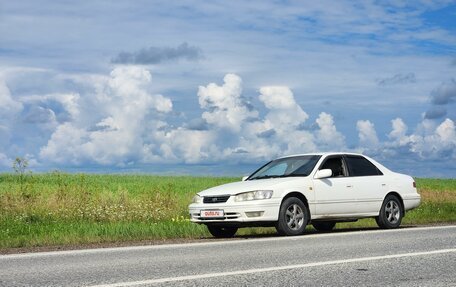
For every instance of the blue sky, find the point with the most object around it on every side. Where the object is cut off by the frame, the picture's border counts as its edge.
(219, 87)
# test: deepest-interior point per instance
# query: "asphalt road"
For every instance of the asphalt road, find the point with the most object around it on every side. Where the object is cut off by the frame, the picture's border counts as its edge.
(404, 257)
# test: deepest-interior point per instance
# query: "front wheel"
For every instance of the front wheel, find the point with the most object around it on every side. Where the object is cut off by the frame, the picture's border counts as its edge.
(221, 231)
(391, 213)
(293, 217)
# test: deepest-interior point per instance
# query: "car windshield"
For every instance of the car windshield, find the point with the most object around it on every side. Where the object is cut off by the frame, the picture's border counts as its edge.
(285, 167)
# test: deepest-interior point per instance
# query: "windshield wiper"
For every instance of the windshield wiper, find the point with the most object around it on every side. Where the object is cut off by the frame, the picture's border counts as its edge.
(279, 176)
(266, 176)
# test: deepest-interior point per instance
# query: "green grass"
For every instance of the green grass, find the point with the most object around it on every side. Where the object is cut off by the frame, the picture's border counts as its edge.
(72, 209)
(438, 202)
(57, 208)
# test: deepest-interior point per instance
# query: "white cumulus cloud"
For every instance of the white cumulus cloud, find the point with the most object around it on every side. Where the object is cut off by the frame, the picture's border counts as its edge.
(223, 104)
(284, 113)
(124, 105)
(8, 106)
(327, 136)
(190, 146)
(436, 144)
(116, 121)
(367, 134)
(9, 111)
(399, 130)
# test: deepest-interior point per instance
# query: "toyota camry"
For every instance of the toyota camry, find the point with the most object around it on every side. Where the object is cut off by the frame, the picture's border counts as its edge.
(319, 189)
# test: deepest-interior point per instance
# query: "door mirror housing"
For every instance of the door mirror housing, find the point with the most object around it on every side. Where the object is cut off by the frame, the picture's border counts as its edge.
(323, 173)
(245, 177)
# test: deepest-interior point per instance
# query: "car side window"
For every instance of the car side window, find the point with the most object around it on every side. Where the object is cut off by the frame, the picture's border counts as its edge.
(360, 166)
(336, 165)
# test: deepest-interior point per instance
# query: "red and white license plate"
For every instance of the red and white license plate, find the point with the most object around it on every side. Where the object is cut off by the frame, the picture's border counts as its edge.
(213, 213)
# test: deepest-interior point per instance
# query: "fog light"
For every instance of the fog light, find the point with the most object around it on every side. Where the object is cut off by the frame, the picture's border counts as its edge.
(254, 213)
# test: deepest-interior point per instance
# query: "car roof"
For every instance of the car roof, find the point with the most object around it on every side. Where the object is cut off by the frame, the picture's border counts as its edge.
(322, 154)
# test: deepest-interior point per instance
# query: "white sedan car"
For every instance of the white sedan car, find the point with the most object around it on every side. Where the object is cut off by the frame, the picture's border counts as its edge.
(293, 191)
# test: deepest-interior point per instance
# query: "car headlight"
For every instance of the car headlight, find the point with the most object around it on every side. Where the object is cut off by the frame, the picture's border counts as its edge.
(197, 199)
(253, 195)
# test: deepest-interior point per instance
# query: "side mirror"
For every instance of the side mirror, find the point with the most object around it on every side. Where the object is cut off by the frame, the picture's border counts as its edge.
(323, 173)
(245, 177)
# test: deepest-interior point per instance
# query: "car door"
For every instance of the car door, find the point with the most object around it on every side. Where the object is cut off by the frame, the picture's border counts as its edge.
(334, 196)
(368, 184)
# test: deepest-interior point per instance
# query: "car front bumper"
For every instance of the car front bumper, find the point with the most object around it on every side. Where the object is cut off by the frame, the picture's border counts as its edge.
(266, 210)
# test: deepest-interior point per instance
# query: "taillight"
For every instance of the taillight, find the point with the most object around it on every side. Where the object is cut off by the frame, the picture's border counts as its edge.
(414, 184)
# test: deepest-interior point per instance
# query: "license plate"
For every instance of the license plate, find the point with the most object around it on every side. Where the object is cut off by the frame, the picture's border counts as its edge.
(212, 213)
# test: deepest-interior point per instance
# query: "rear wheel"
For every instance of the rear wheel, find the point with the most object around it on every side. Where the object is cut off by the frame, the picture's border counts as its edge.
(293, 217)
(222, 231)
(391, 213)
(324, 225)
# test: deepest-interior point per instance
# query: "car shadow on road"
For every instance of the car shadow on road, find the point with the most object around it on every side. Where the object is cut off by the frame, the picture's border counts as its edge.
(311, 232)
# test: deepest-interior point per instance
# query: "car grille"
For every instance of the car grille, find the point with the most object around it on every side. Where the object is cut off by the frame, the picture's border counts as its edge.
(216, 199)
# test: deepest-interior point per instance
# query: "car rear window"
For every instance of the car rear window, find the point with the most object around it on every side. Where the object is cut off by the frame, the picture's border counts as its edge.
(359, 166)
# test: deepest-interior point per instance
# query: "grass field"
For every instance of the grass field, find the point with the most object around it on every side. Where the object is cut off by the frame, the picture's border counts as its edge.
(71, 209)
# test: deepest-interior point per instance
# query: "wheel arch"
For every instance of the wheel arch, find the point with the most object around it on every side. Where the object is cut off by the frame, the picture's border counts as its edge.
(300, 196)
(401, 201)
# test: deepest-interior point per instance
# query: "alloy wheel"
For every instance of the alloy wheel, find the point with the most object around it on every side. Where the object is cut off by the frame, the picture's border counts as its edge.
(392, 212)
(294, 217)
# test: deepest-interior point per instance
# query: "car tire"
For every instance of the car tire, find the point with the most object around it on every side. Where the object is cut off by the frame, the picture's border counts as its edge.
(324, 226)
(222, 231)
(391, 213)
(293, 217)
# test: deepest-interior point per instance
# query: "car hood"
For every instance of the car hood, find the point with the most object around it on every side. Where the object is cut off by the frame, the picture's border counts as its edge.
(243, 186)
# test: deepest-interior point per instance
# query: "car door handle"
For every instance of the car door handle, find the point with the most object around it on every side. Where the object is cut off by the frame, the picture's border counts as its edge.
(349, 185)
